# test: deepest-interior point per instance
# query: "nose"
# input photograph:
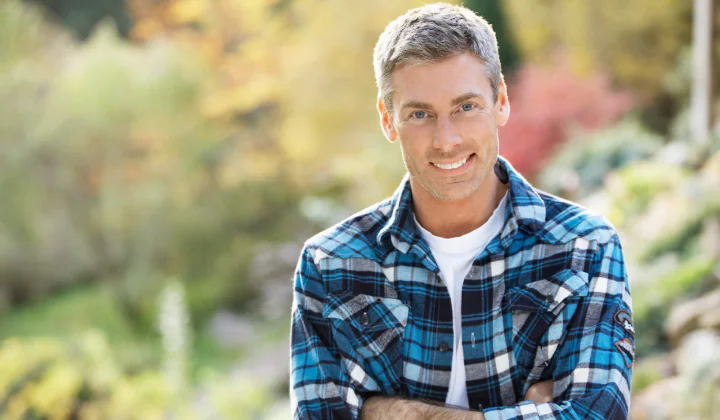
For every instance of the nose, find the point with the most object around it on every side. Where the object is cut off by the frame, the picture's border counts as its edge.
(446, 136)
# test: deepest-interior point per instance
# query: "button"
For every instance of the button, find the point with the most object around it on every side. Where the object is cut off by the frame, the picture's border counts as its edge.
(364, 319)
(378, 300)
(443, 347)
(549, 299)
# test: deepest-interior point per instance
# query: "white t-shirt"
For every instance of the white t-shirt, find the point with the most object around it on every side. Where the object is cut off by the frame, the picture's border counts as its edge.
(454, 257)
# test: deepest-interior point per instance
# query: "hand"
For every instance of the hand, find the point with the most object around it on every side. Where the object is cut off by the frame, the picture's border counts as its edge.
(540, 392)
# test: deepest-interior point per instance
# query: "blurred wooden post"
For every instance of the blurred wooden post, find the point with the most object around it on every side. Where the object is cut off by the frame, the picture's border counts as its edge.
(701, 100)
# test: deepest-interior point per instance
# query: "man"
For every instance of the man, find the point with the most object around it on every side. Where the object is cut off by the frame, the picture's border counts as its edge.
(467, 292)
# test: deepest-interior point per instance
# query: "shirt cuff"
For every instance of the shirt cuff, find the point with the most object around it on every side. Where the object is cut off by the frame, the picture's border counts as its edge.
(525, 410)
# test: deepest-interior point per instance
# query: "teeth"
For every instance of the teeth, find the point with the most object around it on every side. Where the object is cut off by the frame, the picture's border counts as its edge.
(452, 165)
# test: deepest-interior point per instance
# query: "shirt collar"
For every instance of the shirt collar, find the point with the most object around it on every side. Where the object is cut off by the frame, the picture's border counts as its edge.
(525, 210)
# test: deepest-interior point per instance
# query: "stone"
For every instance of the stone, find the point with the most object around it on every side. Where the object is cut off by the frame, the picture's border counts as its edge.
(698, 365)
(698, 350)
(691, 315)
(659, 401)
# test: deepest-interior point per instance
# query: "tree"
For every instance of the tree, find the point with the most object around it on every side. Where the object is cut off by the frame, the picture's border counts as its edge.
(636, 42)
(81, 16)
(494, 12)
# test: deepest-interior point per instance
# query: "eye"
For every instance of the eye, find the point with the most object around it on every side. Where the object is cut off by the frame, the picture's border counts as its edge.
(419, 114)
(467, 107)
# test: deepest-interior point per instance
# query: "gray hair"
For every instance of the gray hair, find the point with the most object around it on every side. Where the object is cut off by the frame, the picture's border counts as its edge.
(430, 34)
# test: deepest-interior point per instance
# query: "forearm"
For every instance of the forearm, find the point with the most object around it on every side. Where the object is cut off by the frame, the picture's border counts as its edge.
(382, 408)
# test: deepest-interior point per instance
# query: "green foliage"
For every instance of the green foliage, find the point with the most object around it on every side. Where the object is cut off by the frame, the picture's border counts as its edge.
(582, 164)
(125, 166)
(636, 41)
(652, 302)
(112, 170)
(71, 375)
(494, 13)
(647, 372)
(578, 101)
(679, 239)
(79, 378)
(633, 187)
(82, 15)
(65, 314)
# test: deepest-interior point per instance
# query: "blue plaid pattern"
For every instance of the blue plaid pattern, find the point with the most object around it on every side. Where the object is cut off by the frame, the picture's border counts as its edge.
(371, 315)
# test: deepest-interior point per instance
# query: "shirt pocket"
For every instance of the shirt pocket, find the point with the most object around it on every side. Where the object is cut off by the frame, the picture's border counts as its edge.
(374, 325)
(540, 312)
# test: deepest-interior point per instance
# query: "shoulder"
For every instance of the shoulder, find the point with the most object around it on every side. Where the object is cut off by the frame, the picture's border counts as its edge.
(354, 237)
(592, 244)
(567, 221)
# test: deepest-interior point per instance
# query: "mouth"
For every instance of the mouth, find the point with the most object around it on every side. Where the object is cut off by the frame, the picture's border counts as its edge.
(455, 167)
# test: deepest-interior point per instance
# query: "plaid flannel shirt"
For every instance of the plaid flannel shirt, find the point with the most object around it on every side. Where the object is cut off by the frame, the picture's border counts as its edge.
(548, 298)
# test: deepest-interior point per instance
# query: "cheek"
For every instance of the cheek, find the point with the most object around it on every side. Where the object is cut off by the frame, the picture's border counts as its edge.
(478, 133)
(415, 140)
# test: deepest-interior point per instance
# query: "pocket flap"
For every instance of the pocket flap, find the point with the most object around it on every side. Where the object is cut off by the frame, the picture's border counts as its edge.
(549, 294)
(365, 312)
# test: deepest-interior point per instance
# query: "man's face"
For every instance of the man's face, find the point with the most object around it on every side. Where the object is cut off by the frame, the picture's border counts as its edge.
(446, 120)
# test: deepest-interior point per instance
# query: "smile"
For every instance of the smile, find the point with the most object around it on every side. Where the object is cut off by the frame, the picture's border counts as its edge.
(455, 165)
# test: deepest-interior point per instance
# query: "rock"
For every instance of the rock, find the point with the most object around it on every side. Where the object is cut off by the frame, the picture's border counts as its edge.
(691, 315)
(710, 320)
(698, 363)
(698, 350)
(710, 238)
(695, 392)
(658, 401)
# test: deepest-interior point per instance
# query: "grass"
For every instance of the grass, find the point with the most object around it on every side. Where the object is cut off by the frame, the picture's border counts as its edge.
(66, 314)
(69, 313)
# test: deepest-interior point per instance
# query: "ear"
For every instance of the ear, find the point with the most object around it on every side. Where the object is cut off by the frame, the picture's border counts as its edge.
(386, 122)
(502, 106)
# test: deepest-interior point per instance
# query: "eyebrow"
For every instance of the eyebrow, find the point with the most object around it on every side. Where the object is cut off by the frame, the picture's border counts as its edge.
(423, 105)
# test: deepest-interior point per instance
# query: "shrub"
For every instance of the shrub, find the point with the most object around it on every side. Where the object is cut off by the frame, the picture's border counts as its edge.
(545, 103)
(589, 156)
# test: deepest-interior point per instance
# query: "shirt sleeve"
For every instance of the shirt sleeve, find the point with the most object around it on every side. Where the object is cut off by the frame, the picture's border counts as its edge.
(320, 385)
(592, 367)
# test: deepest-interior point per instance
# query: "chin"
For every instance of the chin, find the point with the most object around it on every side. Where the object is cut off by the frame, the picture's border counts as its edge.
(454, 192)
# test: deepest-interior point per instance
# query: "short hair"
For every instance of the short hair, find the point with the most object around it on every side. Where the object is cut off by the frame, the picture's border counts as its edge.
(432, 33)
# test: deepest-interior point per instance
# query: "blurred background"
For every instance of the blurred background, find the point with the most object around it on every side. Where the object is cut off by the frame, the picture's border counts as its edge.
(162, 162)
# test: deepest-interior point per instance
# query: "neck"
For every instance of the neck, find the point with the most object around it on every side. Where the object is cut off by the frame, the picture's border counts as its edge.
(450, 219)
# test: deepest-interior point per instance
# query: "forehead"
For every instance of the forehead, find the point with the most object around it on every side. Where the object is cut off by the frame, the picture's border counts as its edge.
(437, 83)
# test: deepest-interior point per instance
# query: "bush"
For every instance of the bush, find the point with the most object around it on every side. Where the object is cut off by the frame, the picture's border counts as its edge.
(582, 164)
(652, 302)
(46, 378)
(110, 169)
(679, 239)
(79, 377)
(546, 103)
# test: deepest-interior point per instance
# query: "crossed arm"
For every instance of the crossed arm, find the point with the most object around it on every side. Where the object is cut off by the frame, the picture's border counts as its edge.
(591, 376)
(381, 408)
